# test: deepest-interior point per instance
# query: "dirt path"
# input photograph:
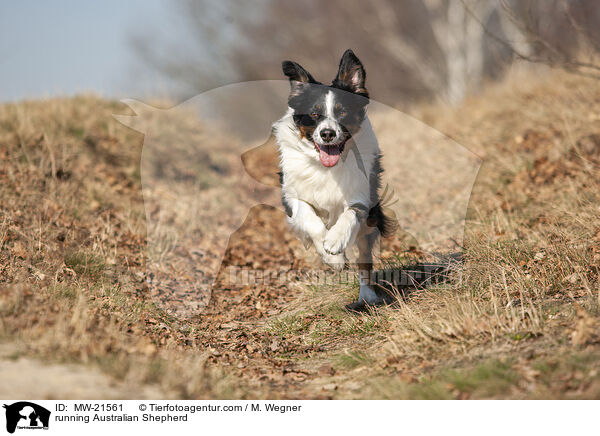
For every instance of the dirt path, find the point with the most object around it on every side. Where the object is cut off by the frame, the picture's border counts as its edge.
(234, 321)
(29, 378)
(236, 325)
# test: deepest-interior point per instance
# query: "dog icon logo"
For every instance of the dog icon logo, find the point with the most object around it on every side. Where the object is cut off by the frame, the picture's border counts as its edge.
(26, 415)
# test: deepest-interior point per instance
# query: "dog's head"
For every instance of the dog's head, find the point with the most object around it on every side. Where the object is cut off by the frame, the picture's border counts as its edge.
(327, 116)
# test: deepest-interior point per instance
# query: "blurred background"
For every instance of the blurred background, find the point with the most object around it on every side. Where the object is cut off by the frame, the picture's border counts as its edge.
(413, 49)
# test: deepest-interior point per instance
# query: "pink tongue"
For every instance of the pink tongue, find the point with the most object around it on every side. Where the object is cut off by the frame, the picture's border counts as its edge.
(329, 155)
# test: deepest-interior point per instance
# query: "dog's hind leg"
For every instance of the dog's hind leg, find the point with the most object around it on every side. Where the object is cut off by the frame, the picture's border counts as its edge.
(366, 241)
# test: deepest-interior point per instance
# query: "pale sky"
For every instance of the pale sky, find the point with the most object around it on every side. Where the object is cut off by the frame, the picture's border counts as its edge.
(63, 47)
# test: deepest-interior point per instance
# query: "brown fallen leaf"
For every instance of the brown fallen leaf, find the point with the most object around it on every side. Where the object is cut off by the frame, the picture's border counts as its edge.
(18, 250)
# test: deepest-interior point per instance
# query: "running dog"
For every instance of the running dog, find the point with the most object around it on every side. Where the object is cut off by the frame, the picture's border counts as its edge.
(330, 168)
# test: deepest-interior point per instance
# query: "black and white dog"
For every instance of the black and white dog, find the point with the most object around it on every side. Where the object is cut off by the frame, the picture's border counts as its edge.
(330, 167)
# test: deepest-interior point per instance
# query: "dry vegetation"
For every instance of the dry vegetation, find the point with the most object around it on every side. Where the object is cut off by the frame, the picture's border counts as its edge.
(519, 321)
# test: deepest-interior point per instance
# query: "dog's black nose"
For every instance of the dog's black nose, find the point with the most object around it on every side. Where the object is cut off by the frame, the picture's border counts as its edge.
(327, 135)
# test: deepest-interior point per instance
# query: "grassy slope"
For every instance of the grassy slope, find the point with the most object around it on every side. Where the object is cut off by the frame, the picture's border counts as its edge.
(521, 323)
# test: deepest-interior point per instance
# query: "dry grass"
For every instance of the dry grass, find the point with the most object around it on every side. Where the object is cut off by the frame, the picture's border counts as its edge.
(519, 320)
(528, 290)
(529, 287)
(72, 233)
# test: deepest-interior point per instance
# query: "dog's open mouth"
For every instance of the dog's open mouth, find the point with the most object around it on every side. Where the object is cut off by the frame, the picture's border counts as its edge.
(330, 154)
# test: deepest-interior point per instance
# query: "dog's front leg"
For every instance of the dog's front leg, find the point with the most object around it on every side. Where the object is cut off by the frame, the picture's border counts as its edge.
(305, 221)
(344, 230)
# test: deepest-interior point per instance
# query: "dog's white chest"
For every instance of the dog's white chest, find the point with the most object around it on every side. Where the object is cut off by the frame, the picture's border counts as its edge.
(329, 190)
(324, 192)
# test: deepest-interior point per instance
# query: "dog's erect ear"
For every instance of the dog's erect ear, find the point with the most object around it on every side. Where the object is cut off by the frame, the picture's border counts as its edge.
(299, 77)
(351, 74)
(296, 73)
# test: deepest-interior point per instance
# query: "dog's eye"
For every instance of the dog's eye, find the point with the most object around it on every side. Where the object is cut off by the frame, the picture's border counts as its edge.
(314, 115)
(343, 114)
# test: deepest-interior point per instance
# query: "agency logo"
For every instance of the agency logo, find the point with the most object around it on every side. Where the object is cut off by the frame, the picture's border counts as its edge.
(26, 415)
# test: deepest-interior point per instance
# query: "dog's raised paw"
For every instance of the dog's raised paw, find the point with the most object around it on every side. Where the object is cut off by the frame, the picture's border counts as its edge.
(335, 261)
(335, 243)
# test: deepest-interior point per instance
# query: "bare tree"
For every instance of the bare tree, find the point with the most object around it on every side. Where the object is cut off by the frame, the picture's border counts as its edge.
(460, 30)
(558, 33)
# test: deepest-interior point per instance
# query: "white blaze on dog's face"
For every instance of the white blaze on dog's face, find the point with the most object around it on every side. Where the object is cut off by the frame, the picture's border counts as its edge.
(327, 116)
